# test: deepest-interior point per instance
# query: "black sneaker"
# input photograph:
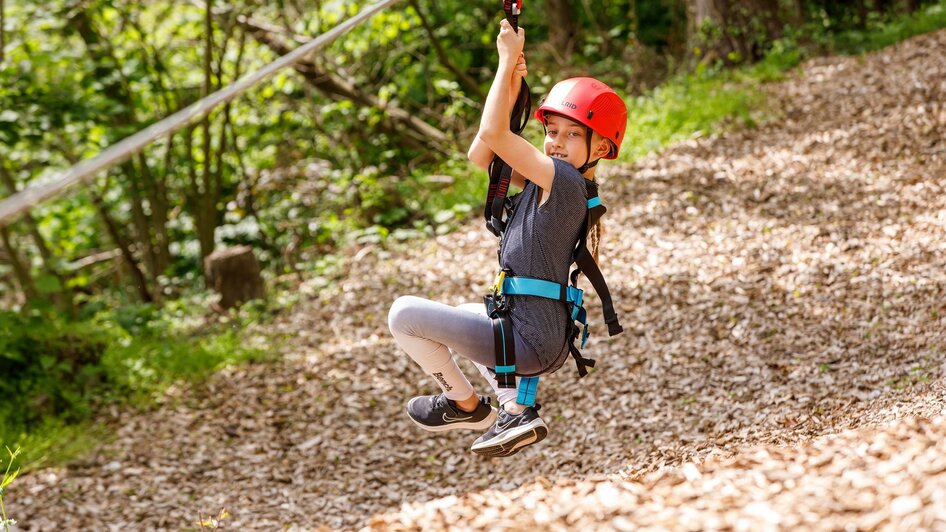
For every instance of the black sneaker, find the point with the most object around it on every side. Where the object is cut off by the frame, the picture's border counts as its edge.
(511, 433)
(436, 413)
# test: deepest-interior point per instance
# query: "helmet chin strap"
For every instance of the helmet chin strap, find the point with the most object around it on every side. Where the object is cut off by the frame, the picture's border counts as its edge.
(585, 167)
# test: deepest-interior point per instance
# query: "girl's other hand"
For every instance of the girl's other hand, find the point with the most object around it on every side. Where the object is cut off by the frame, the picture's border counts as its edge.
(521, 69)
(519, 72)
(509, 43)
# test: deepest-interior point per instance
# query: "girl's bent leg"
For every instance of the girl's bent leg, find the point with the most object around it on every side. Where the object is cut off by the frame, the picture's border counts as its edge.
(428, 330)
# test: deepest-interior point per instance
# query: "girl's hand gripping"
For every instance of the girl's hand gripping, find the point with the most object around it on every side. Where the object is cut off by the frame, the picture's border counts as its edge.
(509, 43)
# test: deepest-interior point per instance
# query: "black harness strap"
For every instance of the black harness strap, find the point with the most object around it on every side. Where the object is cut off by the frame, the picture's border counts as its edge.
(586, 264)
(500, 173)
(504, 342)
(581, 362)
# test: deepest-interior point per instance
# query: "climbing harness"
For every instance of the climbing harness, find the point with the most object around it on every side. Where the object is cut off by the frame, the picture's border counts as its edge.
(596, 106)
(508, 284)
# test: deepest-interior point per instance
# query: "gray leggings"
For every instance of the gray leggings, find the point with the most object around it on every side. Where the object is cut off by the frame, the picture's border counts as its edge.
(431, 332)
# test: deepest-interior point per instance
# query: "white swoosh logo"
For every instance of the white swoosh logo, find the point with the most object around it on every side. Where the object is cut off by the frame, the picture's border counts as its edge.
(449, 419)
(504, 426)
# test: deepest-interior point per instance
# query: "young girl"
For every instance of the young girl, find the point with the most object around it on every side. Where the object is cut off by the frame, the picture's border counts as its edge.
(584, 121)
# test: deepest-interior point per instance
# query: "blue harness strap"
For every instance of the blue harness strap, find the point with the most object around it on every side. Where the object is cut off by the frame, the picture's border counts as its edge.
(527, 286)
(527, 388)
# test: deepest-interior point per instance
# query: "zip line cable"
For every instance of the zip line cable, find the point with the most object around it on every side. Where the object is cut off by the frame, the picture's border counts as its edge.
(32, 196)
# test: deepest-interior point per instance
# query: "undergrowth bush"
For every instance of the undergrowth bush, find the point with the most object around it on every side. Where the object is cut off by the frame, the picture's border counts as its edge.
(55, 373)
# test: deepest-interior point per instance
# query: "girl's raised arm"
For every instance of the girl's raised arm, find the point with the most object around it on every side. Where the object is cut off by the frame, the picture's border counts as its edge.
(479, 153)
(494, 131)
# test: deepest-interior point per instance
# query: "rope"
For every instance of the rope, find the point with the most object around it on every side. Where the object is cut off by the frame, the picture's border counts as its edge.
(32, 196)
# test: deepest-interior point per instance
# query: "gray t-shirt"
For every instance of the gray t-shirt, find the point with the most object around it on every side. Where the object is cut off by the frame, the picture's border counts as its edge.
(538, 243)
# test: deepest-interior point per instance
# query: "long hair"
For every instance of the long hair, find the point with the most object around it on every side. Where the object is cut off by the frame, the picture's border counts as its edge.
(594, 238)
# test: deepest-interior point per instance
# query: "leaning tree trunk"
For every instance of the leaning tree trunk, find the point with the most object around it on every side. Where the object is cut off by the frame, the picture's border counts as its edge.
(140, 282)
(403, 126)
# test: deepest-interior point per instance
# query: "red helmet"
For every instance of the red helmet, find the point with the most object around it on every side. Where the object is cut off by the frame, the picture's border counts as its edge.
(591, 103)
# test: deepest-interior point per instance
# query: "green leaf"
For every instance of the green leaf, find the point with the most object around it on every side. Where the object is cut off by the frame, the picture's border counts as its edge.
(7, 480)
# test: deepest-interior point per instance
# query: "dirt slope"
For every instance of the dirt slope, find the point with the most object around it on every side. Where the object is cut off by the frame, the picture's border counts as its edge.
(777, 286)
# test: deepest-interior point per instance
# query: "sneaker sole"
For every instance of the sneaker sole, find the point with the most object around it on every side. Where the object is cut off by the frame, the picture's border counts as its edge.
(483, 424)
(514, 442)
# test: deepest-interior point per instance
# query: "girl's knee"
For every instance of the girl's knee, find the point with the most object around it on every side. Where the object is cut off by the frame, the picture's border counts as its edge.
(400, 312)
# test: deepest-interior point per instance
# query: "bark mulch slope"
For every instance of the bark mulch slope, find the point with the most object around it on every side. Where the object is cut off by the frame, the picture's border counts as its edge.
(893, 477)
(778, 286)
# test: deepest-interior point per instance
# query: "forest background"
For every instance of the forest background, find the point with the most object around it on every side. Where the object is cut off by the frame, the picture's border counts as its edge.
(103, 298)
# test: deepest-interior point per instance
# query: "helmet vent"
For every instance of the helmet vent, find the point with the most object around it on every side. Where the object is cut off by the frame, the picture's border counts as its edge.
(607, 106)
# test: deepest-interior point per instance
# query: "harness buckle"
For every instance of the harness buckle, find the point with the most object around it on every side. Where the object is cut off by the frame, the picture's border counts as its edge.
(498, 283)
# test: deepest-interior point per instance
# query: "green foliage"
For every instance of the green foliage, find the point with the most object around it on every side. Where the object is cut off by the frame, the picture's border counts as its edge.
(49, 368)
(56, 372)
(884, 31)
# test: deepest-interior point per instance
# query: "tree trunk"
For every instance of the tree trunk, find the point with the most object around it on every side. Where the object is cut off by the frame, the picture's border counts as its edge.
(206, 225)
(701, 14)
(112, 228)
(862, 12)
(3, 35)
(139, 218)
(563, 29)
(727, 22)
(158, 199)
(19, 269)
(633, 23)
(234, 273)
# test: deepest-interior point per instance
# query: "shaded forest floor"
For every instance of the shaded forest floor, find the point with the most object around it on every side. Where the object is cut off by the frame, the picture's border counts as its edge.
(782, 291)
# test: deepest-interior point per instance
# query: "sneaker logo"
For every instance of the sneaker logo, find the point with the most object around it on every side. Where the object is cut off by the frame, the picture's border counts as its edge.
(508, 421)
(443, 382)
(448, 419)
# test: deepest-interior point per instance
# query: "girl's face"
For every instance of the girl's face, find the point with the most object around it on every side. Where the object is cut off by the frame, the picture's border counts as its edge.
(566, 139)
